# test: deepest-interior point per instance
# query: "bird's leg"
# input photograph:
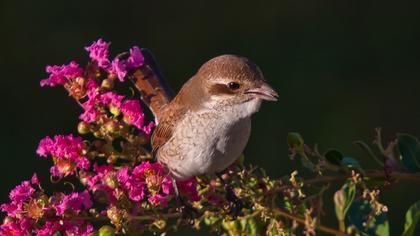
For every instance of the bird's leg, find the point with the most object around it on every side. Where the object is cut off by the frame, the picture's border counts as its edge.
(187, 210)
(235, 204)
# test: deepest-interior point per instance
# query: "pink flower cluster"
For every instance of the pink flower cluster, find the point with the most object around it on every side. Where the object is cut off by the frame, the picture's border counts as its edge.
(67, 153)
(60, 75)
(27, 207)
(99, 52)
(130, 108)
(147, 181)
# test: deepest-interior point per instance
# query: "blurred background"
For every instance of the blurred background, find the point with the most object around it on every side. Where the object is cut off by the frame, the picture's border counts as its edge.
(341, 68)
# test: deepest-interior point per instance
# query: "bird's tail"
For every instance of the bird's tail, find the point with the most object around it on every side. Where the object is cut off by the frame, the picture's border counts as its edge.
(154, 89)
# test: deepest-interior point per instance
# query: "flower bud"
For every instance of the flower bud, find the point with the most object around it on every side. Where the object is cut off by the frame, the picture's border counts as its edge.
(83, 127)
(114, 110)
(114, 215)
(111, 181)
(111, 126)
(107, 84)
(106, 230)
(98, 134)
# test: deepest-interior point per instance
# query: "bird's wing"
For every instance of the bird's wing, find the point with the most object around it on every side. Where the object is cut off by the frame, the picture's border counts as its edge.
(154, 89)
(165, 128)
(188, 99)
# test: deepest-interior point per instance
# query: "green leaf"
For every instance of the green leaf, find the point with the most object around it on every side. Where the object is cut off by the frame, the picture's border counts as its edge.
(409, 149)
(343, 199)
(362, 145)
(334, 157)
(411, 219)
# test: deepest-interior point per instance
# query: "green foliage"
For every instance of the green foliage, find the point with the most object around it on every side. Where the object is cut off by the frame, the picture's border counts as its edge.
(411, 219)
(409, 149)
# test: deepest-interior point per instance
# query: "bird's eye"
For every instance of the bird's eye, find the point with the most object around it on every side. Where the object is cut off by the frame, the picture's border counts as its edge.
(233, 85)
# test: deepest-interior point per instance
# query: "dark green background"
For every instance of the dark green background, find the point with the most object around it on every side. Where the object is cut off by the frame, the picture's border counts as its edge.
(341, 68)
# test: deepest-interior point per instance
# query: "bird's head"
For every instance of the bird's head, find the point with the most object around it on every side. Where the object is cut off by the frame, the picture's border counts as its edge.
(234, 81)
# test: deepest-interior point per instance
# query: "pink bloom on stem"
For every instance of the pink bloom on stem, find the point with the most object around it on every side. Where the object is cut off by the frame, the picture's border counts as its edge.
(167, 185)
(45, 147)
(137, 191)
(189, 187)
(133, 114)
(60, 75)
(22, 192)
(34, 179)
(146, 169)
(119, 68)
(92, 113)
(67, 151)
(74, 202)
(16, 228)
(123, 175)
(136, 58)
(111, 98)
(99, 52)
(49, 228)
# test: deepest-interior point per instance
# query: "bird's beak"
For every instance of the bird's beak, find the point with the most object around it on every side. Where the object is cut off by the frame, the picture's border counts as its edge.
(264, 91)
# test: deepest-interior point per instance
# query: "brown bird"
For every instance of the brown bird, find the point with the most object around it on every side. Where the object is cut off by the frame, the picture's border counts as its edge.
(205, 128)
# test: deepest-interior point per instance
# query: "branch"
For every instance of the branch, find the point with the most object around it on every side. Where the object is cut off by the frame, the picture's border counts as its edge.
(300, 220)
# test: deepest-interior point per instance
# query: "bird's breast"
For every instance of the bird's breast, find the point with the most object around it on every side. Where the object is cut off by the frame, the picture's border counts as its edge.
(205, 142)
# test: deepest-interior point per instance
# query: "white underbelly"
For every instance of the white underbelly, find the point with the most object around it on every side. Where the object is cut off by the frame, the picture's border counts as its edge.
(210, 144)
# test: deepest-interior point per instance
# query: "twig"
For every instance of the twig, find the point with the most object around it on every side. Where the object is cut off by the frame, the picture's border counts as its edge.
(300, 220)
(368, 174)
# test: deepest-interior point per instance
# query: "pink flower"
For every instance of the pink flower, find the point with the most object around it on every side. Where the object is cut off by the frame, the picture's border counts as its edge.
(18, 196)
(99, 52)
(136, 58)
(61, 74)
(45, 147)
(158, 200)
(16, 228)
(119, 68)
(133, 114)
(137, 191)
(167, 185)
(65, 227)
(49, 228)
(92, 113)
(67, 152)
(34, 179)
(111, 98)
(189, 187)
(101, 172)
(74, 202)
(22, 192)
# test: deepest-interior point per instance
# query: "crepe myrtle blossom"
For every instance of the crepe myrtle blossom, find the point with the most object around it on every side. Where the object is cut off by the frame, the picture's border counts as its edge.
(73, 203)
(18, 196)
(67, 152)
(60, 75)
(120, 66)
(130, 108)
(99, 53)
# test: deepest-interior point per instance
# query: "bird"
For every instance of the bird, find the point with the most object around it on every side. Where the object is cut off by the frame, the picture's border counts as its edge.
(205, 127)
